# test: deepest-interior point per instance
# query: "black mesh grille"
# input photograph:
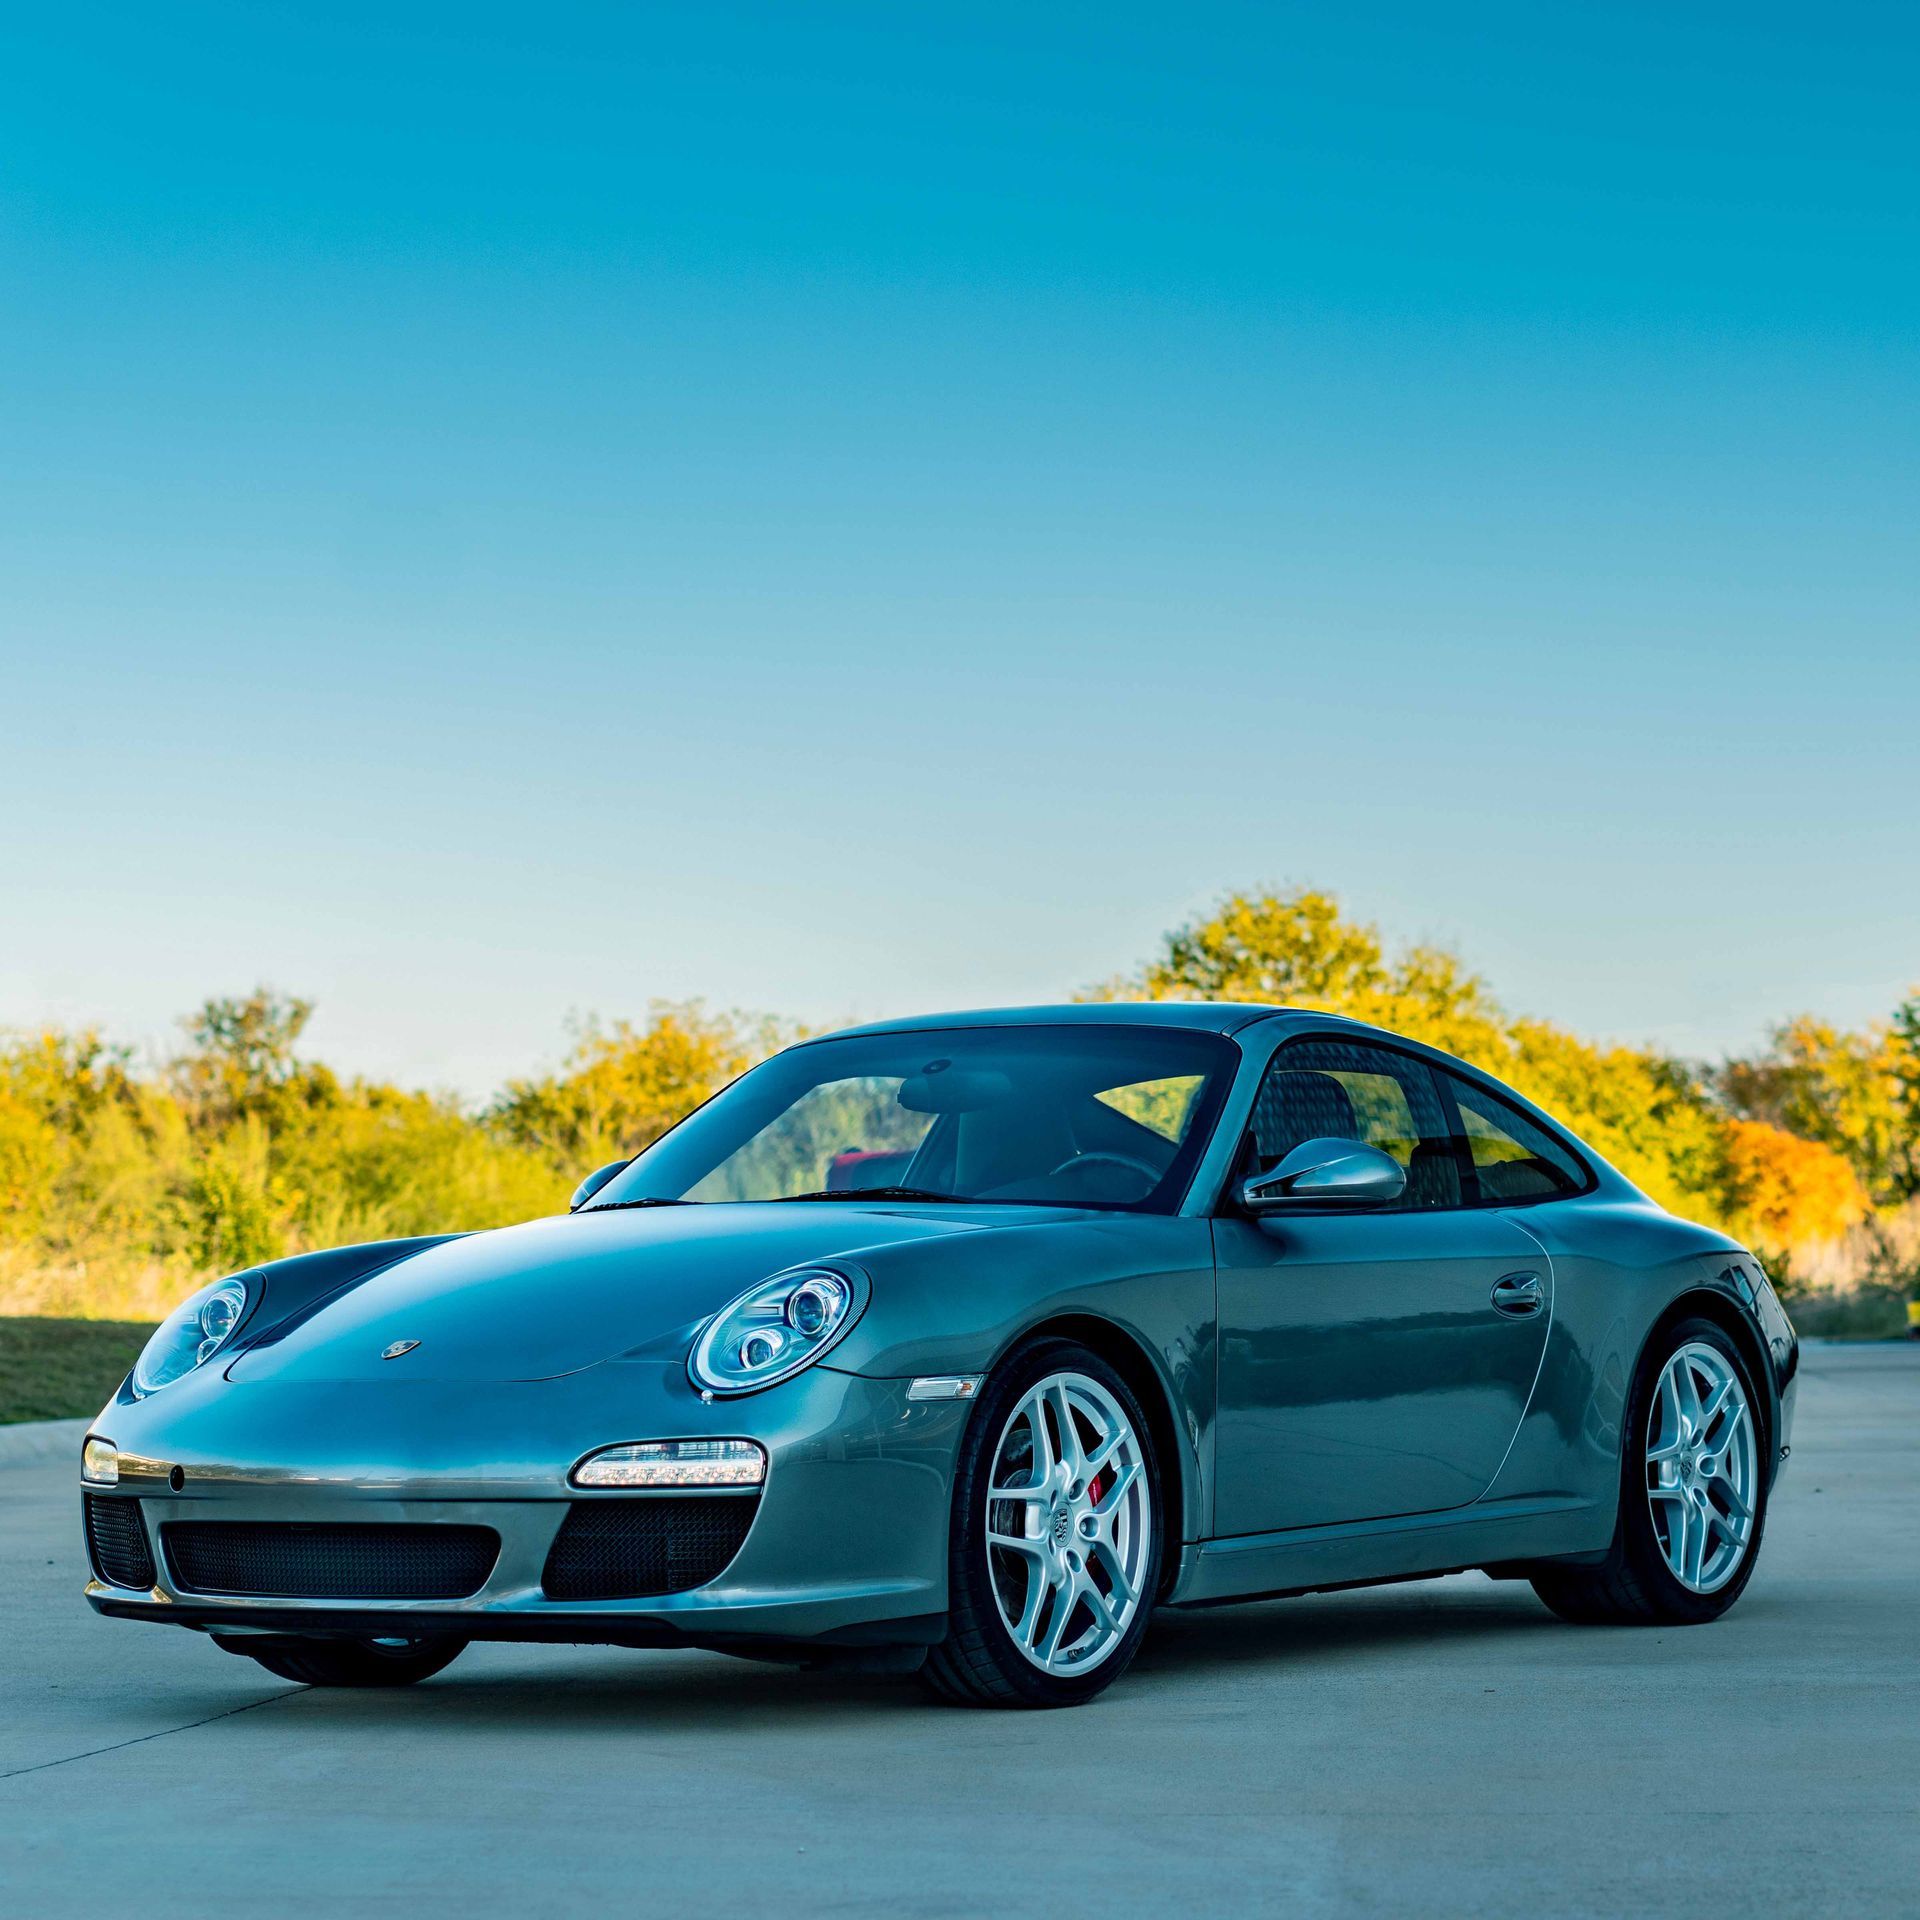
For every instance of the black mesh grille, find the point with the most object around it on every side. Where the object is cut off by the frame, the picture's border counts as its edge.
(310, 1561)
(631, 1549)
(117, 1542)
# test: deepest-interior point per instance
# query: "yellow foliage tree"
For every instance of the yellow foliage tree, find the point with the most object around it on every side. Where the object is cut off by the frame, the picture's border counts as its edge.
(1647, 1114)
(622, 1086)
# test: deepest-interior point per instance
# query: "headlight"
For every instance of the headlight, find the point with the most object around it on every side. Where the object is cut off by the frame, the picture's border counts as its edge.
(772, 1332)
(191, 1335)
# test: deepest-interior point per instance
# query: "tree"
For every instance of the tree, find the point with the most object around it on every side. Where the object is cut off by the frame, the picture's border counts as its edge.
(241, 1061)
(1855, 1092)
(1296, 949)
(1905, 1050)
(1788, 1192)
(1644, 1111)
(622, 1087)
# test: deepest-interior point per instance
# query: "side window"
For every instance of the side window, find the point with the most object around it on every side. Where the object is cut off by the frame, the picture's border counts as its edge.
(1511, 1158)
(1346, 1090)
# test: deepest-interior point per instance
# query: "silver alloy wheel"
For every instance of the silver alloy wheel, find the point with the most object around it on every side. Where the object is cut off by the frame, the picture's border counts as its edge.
(1069, 1524)
(1702, 1467)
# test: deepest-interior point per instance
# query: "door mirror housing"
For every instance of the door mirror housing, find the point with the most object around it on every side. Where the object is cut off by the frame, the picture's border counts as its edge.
(594, 1181)
(1326, 1173)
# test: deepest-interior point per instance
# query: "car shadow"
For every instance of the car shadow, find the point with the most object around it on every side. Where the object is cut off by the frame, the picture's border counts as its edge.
(595, 1687)
(1314, 1629)
(606, 1688)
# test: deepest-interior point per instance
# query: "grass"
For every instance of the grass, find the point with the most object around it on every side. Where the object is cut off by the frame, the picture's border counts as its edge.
(63, 1369)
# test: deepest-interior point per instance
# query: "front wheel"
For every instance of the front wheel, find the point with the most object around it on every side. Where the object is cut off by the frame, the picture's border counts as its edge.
(1057, 1530)
(348, 1663)
(1693, 1492)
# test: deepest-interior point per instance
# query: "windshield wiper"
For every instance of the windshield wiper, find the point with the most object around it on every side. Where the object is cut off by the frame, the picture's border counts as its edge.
(617, 1206)
(873, 1193)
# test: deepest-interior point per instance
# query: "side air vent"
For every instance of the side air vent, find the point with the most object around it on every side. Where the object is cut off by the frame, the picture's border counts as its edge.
(635, 1549)
(117, 1542)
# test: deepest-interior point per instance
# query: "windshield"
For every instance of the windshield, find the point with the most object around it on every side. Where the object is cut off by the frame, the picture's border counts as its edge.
(1074, 1116)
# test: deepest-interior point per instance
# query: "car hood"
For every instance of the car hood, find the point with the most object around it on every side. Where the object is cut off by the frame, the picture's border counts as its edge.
(554, 1296)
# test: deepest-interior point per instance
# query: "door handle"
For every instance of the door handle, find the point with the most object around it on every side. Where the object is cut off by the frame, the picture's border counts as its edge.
(1518, 1294)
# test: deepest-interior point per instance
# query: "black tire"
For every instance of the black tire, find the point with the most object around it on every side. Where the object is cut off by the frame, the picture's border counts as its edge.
(349, 1663)
(1633, 1586)
(979, 1664)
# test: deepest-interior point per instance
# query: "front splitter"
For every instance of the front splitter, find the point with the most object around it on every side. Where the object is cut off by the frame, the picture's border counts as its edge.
(546, 1627)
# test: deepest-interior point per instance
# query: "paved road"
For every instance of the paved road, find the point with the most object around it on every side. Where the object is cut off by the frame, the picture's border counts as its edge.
(1444, 1748)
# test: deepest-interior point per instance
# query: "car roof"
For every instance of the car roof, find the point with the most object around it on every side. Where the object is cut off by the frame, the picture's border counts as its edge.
(1205, 1016)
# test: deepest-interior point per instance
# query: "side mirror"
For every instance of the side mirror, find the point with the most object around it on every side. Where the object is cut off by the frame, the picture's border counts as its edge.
(1326, 1173)
(594, 1181)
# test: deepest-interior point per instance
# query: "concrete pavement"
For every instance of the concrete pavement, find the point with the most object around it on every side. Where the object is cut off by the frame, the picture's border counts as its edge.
(1442, 1748)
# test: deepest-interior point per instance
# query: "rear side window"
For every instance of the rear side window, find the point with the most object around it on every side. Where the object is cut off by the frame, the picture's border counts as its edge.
(1509, 1157)
(1349, 1090)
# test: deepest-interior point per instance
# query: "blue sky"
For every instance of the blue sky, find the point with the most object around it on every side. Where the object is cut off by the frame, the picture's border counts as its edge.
(512, 512)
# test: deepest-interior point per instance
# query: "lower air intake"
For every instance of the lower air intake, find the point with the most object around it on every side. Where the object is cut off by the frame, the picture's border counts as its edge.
(117, 1542)
(315, 1561)
(635, 1549)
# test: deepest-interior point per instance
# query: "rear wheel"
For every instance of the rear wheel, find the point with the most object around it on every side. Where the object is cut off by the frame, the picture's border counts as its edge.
(349, 1663)
(1057, 1529)
(1693, 1495)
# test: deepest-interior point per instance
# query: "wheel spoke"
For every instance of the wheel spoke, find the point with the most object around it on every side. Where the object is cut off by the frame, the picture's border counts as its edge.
(1038, 1587)
(1017, 1493)
(1064, 1605)
(1733, 1526)
(1731, 1494)
(1104, 1616)
(1685, 1393)
(1072, 1455)
(1717, 1406)
(1679, 1519)
(1109, 1502)
(1017, 1543)
(1119, 1587)
(1667, 1401)
(1047, 1448)
(1696, 1543)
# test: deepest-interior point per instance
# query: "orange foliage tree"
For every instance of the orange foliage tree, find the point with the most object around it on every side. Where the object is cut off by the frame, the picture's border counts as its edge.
(1790, 1191)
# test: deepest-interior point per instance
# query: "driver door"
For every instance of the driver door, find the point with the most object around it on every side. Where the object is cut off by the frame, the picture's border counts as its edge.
(1372, 1362)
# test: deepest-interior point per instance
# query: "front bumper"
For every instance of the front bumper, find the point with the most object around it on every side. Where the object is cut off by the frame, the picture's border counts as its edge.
(848, 1545)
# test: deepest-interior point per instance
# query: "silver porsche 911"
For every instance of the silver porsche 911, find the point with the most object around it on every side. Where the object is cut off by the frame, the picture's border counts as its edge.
(958, 1346)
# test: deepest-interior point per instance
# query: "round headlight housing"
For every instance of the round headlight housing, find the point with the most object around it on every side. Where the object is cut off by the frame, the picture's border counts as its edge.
(775, 1329)
(191, 1335)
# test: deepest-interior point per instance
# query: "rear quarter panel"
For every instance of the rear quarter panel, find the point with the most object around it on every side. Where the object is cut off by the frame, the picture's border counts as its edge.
(1619, 1264)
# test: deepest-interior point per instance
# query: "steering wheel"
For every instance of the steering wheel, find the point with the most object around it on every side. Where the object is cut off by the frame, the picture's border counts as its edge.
(1151, 1175)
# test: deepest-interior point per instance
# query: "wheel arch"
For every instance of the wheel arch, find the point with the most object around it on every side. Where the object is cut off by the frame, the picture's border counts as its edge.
(1131, 1359)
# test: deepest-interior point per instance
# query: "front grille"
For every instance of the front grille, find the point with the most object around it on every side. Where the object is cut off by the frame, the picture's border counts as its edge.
(633, 1549)
(117, 1542)
(300, 1560)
